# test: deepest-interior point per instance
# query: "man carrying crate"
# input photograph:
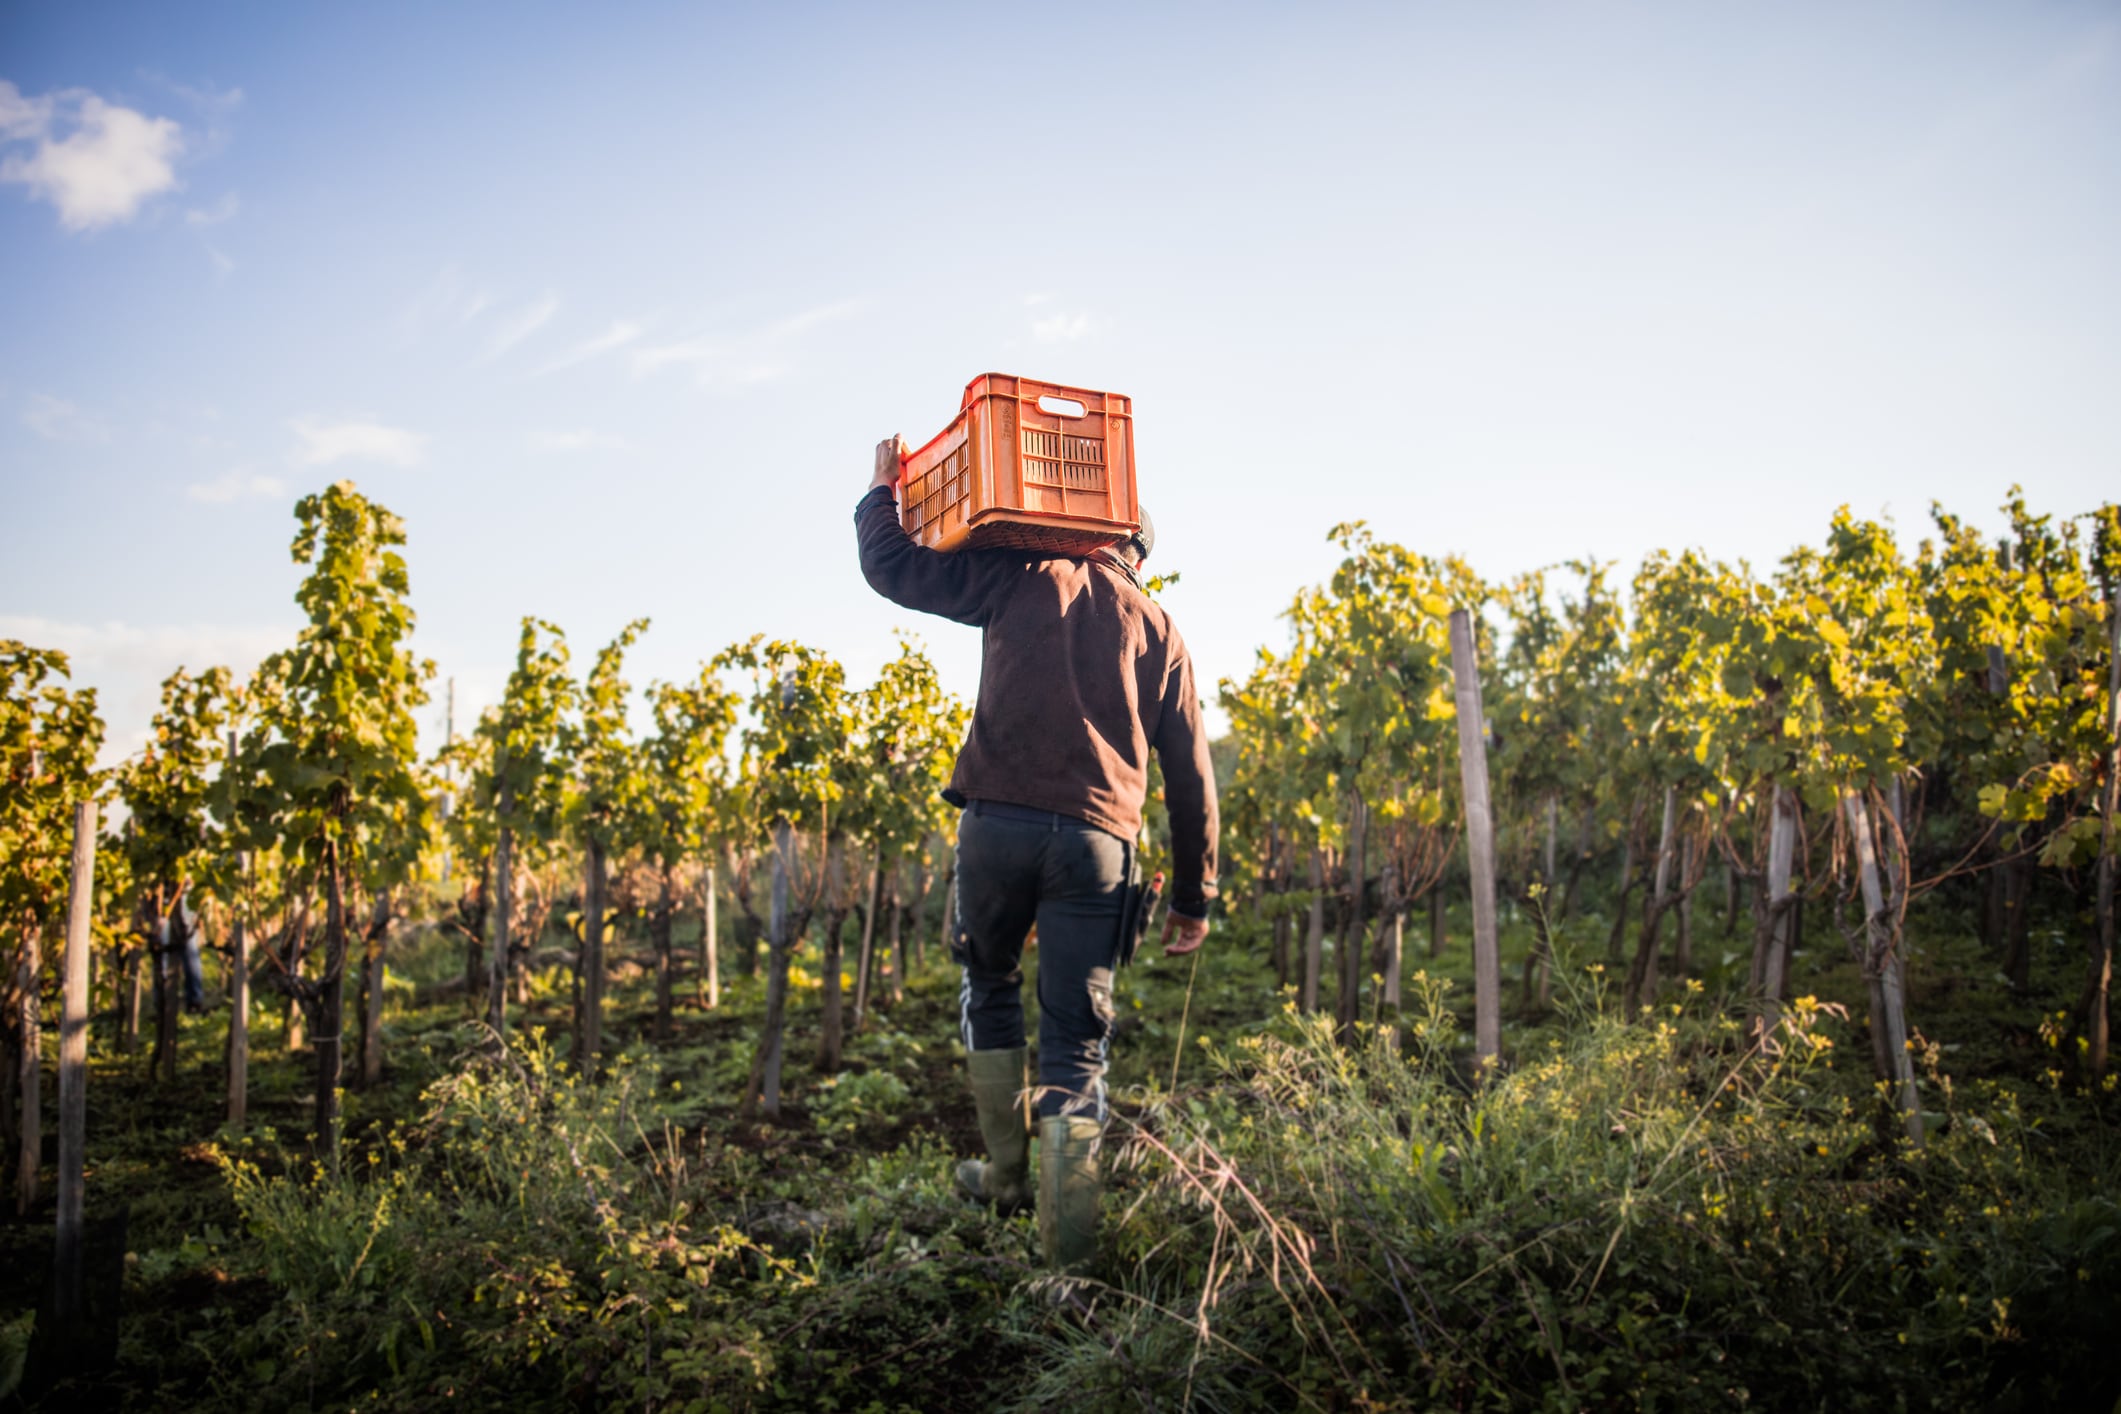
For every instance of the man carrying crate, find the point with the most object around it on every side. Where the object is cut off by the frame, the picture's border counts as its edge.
(1081, 676)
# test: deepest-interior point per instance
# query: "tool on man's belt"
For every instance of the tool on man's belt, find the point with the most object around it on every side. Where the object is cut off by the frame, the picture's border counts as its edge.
(1141, 907)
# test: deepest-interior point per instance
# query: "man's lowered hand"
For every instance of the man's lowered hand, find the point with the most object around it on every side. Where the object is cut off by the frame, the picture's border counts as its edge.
(1191, 933)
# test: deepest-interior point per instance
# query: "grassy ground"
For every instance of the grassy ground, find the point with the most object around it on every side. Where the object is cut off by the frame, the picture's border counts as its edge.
(1625, 1223)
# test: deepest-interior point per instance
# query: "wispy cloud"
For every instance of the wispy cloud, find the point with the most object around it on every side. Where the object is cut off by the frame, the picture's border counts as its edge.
(95, 162)
(578, 440)
(1061, 328)
(817, 318)
(321, 444)
(236, 486)
(514, 331)
(621, 333)
(657, 357)
(716, 363)
(213, 103)
(739, 360)
(57, 420)
(223, 210)
(448, 301)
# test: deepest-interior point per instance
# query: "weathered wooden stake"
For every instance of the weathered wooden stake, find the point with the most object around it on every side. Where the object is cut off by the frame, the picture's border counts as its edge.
(73, 1069)
(239, 990)
(1314, 932)
(778, 946)
(710, 946)
(28, 1075)
(1396, 951)
(1553, 826)
(895, 945)
(1480, 841)
(589, 1040)
(503, 907)
(372, 991)
(1642, 978)
(1883, 962)
(665, 949)
(329, 1042)
(915, 957)
(1683, 941)
(130, 963)
(170, 934)
(1772, 952)
(868, 953)
(1350, 953)
(2102, 968)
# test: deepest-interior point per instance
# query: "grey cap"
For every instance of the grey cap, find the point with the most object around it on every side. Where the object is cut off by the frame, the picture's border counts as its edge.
(1137, 546)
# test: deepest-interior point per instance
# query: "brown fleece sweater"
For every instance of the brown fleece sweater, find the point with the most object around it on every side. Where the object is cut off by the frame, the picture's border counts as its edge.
(1081, 674)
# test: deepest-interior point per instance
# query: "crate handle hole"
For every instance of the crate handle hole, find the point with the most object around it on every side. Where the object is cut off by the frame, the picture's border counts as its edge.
(1061, 407)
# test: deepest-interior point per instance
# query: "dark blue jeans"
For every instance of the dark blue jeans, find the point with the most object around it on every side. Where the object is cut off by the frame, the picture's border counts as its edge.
(1016, 867)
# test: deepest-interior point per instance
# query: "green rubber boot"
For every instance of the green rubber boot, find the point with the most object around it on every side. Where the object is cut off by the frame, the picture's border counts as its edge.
(1004, 1179)
(1069, 1191)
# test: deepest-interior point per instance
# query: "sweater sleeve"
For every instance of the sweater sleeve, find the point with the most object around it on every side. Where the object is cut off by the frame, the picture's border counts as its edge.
(1189, 791)
(957, 586)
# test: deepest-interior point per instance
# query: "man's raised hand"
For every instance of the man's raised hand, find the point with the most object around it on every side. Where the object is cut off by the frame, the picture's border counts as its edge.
(888, 465)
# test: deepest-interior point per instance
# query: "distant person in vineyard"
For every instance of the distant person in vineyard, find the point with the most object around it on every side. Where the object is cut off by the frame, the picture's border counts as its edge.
(1081, 676)
(194, 938)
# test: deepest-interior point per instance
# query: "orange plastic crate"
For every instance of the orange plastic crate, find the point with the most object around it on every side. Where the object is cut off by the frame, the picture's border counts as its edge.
(1025, 465)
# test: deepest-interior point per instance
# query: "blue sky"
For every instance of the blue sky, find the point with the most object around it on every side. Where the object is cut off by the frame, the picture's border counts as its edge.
(612, 304)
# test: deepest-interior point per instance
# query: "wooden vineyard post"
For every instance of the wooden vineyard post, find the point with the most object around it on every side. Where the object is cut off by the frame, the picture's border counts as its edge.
(1314, 932)
(590, 960)
(239, 989)
(503, 908)
(1271, 881)
(762, 1090)
(1730, 898)
(665, 949)
(1625, 885)
(894, 951)
(831, 972)
(1683, 907)
(1539, 963)
(329, 1043)
(2100, 981)
(1480, 841)
(710, 950)
(372, 992)
(1884, 968)
(449, 790)
(73, 1070)
(861, 971)
(130, 963)
(1348, 1000)
(29, 1075)
(914, 959)
(1546, 873)
(1771, 947)
(1395, 955)
(778, 944)
(169, 983)
(1642, 977)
